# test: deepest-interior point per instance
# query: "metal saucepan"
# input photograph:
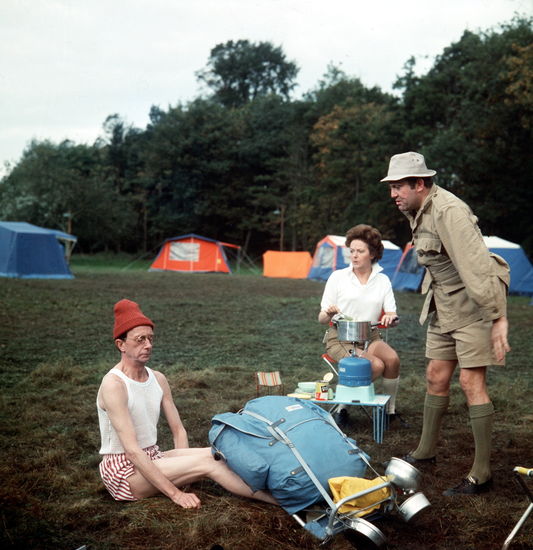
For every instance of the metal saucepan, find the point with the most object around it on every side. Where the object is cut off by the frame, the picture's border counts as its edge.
(412, 506)
(402, 474)
(365, 534)
(353, 331)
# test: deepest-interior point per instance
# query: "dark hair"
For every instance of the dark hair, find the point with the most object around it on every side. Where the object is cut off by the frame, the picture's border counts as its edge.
(428, 181)
(369, 235)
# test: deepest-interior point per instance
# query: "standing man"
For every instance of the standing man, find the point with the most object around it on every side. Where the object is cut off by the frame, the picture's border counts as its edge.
(466, 288)
(129, 402)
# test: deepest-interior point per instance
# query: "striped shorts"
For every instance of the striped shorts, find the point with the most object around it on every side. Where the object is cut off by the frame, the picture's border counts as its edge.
(115, 470)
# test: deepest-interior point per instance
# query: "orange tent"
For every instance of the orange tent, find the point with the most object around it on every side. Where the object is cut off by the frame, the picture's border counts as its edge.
(292, 265)
(192, 254)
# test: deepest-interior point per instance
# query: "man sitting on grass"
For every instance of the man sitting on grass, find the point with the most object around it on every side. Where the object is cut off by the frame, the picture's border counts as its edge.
(129, 401)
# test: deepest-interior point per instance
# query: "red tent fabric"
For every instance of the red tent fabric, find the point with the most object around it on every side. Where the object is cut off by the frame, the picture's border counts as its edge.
(192, 254)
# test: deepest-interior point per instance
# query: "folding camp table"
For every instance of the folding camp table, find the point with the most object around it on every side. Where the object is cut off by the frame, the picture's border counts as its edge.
(378, 405)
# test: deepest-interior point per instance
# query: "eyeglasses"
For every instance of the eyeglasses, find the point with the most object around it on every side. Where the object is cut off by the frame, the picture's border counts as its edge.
(143, 339)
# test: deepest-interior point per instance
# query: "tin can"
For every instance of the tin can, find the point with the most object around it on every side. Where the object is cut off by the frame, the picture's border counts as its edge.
(321, 390)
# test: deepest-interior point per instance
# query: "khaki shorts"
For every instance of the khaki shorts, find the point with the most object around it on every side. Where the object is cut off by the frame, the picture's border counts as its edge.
(470, 346)
(337, 349)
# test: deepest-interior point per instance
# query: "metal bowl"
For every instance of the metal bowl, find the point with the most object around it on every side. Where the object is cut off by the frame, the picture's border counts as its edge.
(353, 331)
(412, 506)
(403, 475)
(365, 534)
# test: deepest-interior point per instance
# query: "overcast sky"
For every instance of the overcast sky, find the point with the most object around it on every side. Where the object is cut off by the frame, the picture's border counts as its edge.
(65, 65)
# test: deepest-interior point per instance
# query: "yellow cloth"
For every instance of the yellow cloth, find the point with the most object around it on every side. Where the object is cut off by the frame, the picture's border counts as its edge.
(342, 487)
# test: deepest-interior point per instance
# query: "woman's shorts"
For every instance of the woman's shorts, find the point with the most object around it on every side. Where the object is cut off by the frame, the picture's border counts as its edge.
(337, 349)
(115, 470)
(470, 346)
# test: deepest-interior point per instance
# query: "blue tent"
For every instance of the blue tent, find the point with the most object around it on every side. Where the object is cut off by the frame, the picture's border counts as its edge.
(521, 268)
(31, 252)
(331, 254)
(409, 274)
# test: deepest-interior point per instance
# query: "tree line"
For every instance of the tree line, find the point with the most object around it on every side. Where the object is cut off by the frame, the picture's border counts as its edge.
(247, 164)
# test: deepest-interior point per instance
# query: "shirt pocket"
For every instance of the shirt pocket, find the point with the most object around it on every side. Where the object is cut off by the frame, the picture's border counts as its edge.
(428, 246)
(450, 289)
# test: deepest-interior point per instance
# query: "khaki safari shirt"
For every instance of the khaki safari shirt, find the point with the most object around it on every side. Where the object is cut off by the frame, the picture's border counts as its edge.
(464, 282)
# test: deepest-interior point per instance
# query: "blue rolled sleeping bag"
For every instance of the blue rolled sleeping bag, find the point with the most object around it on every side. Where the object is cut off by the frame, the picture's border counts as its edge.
(266, 442)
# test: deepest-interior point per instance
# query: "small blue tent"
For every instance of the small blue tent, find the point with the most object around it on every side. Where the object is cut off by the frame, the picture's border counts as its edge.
(31, 252)
(521, 268)
(409, 274)
(331, 254)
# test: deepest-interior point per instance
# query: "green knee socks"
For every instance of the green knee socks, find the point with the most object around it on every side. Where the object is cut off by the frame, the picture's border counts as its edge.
(481, 418)
(435, 407)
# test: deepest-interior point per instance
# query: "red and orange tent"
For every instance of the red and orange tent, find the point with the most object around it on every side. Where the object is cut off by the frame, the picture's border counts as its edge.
(192, 254)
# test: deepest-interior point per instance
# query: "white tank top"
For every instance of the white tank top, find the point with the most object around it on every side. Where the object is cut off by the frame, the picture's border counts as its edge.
(144, 404)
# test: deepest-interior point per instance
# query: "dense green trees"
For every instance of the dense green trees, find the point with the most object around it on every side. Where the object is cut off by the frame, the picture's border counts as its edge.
(471, 115)
(248, 164)
(239, 72)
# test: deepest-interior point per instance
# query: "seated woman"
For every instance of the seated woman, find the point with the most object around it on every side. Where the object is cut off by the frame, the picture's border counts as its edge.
(361, 292)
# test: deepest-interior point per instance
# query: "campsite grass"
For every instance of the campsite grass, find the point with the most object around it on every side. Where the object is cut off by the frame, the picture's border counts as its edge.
(213, 332)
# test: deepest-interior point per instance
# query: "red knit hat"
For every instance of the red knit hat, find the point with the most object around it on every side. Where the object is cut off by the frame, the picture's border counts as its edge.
(127, 316)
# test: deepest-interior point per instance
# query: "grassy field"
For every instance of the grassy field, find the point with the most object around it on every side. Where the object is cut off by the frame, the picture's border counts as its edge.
(213, 332)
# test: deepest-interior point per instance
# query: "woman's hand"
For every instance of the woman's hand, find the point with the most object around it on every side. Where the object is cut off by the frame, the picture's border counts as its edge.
(389, 320)
(325, 315)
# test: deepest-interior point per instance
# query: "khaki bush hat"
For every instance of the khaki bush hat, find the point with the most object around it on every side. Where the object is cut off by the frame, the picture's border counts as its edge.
(408, 165)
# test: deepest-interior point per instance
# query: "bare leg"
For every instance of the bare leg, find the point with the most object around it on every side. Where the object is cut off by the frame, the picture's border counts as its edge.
(233, 483)
(391, 362)
(474, 385)
(195, 451)
(439, 375)
(386, 355)
(185, 466)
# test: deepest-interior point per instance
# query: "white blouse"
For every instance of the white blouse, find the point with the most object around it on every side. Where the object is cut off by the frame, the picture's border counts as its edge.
(361, 302)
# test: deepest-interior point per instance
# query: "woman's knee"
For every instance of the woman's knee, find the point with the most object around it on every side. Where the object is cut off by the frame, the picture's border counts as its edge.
(388, 356)
(392, 366)
(378, 367)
